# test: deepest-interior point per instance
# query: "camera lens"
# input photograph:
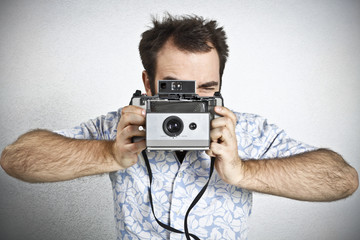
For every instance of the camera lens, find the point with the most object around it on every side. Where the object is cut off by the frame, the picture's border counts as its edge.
(173, 126)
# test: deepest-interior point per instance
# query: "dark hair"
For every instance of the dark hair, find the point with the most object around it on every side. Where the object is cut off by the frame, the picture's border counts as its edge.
(189, 33)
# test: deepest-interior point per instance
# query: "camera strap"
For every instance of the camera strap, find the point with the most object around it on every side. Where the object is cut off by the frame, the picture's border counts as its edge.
(197, 198)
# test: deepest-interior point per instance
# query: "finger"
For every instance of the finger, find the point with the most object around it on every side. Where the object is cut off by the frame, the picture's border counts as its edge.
(130, 118)
(216, 148)
(223, 122)
(210, 153)
(133, 109)
(221, 134)
(225, 112)
(136, 147)
(131, 131)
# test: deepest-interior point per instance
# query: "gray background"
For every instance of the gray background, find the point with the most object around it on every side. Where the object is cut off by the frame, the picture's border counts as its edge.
(64, 62)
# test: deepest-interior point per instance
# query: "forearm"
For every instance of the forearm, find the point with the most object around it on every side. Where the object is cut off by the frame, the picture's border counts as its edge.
(320, 175)
(43, 156)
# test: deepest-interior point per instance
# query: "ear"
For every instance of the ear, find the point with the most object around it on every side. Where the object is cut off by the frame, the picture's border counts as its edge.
(146, 81)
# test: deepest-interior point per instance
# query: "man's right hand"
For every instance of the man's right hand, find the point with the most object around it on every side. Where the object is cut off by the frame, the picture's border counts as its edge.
(125, 150)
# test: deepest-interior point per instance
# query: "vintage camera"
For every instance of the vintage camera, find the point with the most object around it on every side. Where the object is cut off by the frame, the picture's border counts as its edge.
(177, 118)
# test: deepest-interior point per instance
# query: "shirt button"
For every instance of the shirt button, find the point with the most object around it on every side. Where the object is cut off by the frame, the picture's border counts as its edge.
(181, 174)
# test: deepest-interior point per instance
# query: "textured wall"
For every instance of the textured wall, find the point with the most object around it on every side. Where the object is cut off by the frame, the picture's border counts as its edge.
(63, 62)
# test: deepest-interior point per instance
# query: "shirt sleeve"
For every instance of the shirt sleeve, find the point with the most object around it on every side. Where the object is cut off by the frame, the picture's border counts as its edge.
(100, 128)
(257, 139)
(281, 145)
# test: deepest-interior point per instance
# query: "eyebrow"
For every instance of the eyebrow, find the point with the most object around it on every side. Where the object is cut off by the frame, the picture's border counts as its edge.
(170, 78)
(208, 84)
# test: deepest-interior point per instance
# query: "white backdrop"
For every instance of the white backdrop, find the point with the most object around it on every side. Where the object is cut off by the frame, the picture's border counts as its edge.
(64, 62)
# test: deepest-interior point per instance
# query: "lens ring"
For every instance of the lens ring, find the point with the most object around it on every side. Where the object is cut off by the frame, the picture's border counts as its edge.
(173, 126)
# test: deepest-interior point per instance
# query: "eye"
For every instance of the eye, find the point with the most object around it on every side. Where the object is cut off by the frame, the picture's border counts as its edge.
(207, 89)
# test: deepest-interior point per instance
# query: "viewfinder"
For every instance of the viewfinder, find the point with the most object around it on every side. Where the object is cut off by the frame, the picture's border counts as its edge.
(176, 86)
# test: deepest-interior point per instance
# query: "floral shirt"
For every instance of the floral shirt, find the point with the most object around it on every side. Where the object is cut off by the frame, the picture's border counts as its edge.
(222, 212)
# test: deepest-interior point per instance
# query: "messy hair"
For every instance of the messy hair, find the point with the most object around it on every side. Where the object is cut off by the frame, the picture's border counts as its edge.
(189, 33)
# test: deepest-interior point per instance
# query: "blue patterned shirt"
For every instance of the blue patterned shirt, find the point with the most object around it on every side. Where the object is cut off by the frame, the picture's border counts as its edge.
(222, 212)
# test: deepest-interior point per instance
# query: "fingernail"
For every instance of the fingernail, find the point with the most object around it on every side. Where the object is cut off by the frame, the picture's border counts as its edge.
(143, 112)
(218, 108)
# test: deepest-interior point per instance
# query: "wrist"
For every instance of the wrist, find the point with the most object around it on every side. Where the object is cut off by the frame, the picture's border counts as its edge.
(114, 156)
(231, 172)
(246, 174)
(241, 169)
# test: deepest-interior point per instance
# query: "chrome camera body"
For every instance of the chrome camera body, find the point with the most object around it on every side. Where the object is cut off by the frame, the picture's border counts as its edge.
(177, 118)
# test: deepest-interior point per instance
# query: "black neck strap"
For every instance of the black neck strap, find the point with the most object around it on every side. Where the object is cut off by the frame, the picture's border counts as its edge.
(197, 198)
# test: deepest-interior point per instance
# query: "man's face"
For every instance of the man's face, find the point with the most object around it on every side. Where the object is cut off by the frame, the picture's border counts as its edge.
(174, 64)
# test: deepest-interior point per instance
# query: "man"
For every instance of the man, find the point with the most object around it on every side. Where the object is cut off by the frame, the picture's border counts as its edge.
(250, 155)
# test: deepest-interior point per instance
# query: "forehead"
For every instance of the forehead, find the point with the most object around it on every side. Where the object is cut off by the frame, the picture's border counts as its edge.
(178, 64)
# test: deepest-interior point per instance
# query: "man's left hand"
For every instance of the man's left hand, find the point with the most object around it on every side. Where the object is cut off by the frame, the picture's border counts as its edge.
(223, 146)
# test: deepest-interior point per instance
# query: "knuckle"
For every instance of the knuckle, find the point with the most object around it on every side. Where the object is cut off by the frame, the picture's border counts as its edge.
(223, 121)
(212, 122)
(133, 160)
(128, 130)
(120, 149)
(131, 109)
(132, 148)
(217, 121)
(125, 109)
(228, 121)
(214, 147)
(234, 118)
(222, 131)
(124, 118)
